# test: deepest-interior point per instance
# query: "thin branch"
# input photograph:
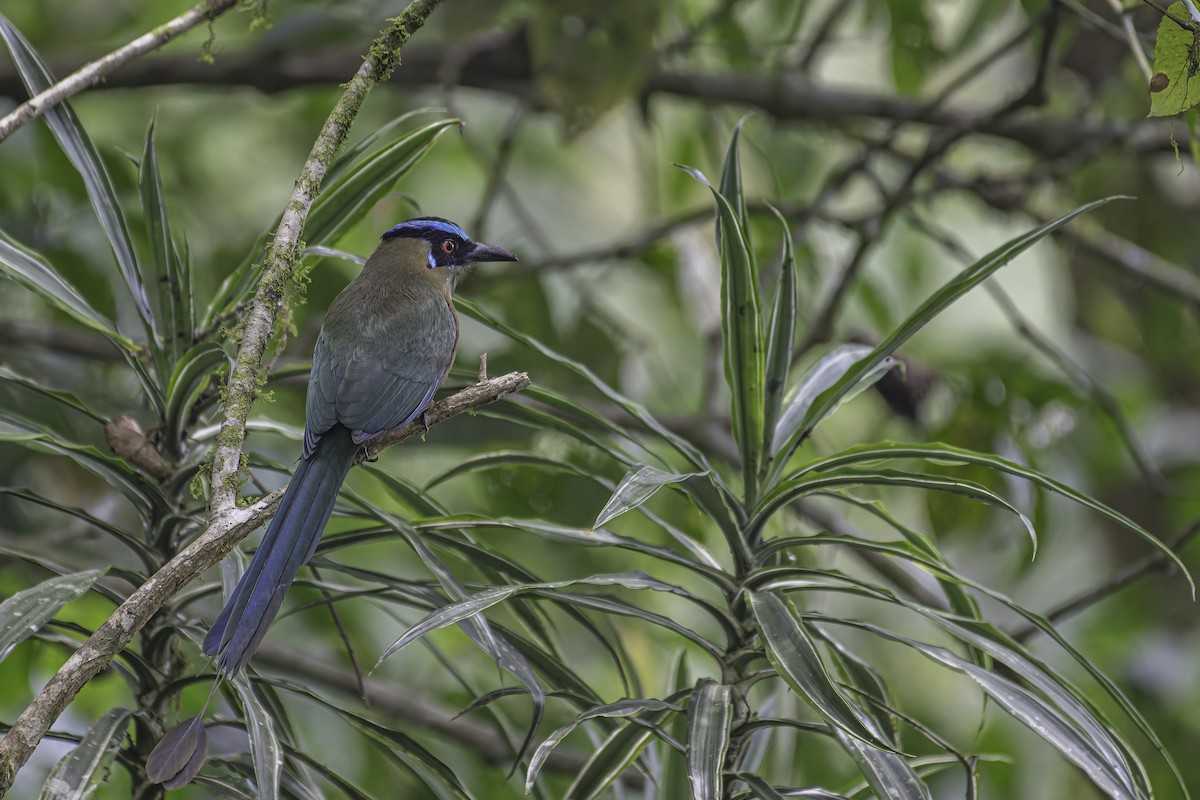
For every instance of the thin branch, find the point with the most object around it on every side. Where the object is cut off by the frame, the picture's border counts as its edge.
(1191, 26)
(1135, 45)
(224, 531)
(92, 73)
(502, 67)
(284, 251)
(1156, 561)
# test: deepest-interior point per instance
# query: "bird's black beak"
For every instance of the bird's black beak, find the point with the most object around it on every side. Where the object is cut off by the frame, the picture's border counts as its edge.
(489, 252)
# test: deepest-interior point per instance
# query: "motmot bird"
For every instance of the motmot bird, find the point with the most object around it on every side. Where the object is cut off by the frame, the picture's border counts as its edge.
(385, 346)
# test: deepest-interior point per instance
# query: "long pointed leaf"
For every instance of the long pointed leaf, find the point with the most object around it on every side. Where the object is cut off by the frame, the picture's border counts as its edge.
(1056, 729)
(612, 758)
(781, 333)
(638, 486)
(78, 147)
(23, 614)
(621, 708)
(63, 398)
(826, 372)
(938, 452)
(76, 775)
(33, 272)
(710, 717)
(888, 774)
(741, 330)
(172, 279)
(938, 302)
(820, 482)
(794, 656)
(265, 750)
(351, 196)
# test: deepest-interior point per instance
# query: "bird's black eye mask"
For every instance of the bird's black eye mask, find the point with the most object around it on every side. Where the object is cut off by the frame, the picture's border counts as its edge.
(449, 245)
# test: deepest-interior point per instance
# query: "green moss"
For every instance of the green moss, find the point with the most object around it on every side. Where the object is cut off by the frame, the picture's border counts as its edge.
(206, 47)
(259, 20)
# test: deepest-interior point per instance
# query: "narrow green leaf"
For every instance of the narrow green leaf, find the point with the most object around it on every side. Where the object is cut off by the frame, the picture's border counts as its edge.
(741, 330)
(191, 376)
(732, 187)
(350, 197)
(62, 398)
(938, 452)
(711, 493)
(78, 147)
(172, 278)
(794, 656)
(819, 482)
(612, 758)
(477, 627)
(710, 717)
(765, 791)
(888, 774)
(23, 614)
(621, 708)
(265, 750)
(935, 304)
(826, 372)
(75, 777)
(148, 555)
(782, 335)
(350, 156)
(1033, 711)
(392, 739)
(33, 272)
(588, 537)
(481, 601)
(638, 486)
(636, 410)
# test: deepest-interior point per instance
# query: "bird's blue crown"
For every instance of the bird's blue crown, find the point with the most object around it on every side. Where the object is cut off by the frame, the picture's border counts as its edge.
(426, 228)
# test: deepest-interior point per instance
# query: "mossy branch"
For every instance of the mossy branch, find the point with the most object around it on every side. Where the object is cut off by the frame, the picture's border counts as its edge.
(283, 253)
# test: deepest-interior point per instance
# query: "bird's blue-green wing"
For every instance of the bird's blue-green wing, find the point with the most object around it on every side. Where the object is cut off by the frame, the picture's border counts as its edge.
(372, 380)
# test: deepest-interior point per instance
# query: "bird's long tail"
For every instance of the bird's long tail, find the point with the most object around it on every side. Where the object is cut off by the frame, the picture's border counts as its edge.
(289, 541)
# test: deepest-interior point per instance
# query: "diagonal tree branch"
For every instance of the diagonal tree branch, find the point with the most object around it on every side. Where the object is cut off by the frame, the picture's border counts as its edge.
(223, 533)
(93, 72)
(285, 249)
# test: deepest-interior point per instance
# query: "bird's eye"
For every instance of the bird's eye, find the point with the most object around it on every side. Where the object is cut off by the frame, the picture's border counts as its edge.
(449, 246)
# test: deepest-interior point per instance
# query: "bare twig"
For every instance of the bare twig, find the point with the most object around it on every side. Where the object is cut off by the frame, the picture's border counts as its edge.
(1191, 26)
(1135, 45)
(92, 73)
(1154, 562)
(224, 531)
